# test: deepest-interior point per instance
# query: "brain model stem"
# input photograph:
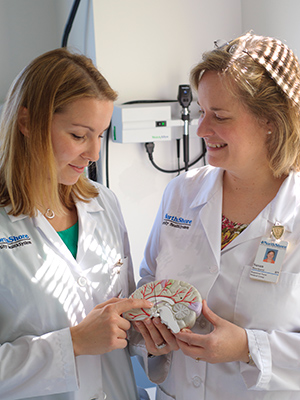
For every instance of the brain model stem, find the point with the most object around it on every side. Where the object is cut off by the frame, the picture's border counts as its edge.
(168, 319)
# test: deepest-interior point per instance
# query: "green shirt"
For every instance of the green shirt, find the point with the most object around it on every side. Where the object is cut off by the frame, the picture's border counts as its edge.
(70, 238)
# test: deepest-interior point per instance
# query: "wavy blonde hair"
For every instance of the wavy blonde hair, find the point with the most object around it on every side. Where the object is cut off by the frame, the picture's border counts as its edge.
(44, 87)
(251, 83)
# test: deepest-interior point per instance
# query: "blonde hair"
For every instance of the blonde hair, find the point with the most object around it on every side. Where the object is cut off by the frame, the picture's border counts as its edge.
(255, 87)
(44, 87)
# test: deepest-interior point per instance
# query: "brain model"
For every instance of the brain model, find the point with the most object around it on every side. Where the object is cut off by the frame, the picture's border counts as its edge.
(177, 303)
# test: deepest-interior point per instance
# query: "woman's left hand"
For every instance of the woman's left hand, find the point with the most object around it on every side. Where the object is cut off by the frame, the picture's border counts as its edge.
(227, 342)
(158, 338)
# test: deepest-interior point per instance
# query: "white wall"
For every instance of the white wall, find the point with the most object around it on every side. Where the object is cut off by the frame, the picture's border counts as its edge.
(274, 18)
(146, 49)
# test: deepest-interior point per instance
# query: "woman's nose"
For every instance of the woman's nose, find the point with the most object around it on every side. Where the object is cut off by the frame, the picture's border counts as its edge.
(204, 128)
(93, 149)
(200, 129)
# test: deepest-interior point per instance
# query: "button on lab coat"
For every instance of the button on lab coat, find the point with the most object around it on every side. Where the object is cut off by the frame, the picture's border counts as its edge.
(185, 244)
(44, 291)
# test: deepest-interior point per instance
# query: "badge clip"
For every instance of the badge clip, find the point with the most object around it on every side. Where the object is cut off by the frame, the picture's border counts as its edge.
(277, 231)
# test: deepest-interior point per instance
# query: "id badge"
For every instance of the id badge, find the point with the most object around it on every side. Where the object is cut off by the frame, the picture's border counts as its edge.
(269, 259)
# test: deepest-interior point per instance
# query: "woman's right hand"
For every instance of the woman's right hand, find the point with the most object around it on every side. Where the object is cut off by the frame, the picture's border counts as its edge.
(227, 342)
(104, 328)
(158, 338)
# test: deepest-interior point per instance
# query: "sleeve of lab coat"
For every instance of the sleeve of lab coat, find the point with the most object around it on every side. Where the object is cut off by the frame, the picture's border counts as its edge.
(35, 366)
(277, 361)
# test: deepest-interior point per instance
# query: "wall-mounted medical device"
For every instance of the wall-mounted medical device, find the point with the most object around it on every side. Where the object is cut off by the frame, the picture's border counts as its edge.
(185, 98)
(151, 122)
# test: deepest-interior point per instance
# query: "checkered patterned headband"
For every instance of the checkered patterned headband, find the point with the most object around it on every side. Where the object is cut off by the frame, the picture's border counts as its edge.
(278, 60)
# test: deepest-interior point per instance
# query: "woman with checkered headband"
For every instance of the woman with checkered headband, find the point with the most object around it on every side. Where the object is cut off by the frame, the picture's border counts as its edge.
(246, 343)
(264, 75)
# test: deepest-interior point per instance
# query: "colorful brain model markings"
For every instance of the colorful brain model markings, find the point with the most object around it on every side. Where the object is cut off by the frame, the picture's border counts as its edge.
(177, 303)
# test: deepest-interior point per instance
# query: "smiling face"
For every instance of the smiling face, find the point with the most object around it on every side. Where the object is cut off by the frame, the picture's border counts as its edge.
(234, 138)
(76, 136)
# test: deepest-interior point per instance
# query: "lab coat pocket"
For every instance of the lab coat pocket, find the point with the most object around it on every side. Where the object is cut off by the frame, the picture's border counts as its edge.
(268, 306)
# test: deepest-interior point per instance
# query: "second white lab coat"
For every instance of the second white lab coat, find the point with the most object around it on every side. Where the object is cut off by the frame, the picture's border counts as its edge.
(44, 291)
(185, 244)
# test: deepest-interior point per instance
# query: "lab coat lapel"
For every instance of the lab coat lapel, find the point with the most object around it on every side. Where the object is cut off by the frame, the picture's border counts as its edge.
(282, 208)
(209, 201)
(257, 229)
(210, 216)
(50, 235)
(87, 225)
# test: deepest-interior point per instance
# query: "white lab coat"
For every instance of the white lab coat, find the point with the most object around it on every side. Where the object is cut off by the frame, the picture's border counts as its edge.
(269, 312)
(44, 291)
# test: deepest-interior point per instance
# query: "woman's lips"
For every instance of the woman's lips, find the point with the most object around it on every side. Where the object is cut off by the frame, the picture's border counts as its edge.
(216, 145)
(77, 168)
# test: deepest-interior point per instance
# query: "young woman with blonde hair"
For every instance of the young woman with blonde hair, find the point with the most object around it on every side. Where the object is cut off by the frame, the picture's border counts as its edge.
(64, 251)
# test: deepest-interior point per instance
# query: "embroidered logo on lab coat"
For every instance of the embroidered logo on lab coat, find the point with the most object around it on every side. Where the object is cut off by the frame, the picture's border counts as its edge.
(177, 222)
(12, 242)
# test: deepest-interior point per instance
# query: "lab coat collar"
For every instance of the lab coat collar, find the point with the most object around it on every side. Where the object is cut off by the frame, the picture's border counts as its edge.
(280, 210)
(209, 200)
(87, 225)
(91, 206)
(208, 186)
(283, 206)
(12, 217)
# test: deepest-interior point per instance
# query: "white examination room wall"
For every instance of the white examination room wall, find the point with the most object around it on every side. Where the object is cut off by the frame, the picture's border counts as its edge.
(273, 18)
(146, 49)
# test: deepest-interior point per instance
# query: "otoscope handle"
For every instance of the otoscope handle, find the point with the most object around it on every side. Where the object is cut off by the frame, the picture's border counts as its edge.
(185, 116)
(185, 98)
